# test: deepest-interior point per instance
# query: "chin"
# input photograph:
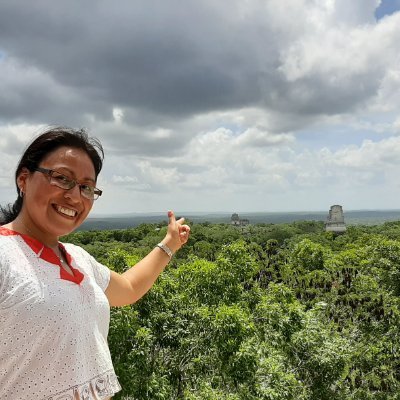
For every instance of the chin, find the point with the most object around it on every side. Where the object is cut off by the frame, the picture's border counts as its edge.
(65, 229)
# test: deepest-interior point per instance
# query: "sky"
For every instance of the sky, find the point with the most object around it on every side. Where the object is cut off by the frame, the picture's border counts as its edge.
(210, 106)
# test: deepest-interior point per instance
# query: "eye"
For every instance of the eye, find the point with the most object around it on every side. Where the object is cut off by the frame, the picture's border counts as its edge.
(61, 178)
(87, 189)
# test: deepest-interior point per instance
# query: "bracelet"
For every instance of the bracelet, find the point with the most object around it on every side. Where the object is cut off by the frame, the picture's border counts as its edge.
(165, 249)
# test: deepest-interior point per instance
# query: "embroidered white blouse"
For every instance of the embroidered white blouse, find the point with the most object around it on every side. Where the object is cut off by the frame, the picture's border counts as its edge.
(53, 326)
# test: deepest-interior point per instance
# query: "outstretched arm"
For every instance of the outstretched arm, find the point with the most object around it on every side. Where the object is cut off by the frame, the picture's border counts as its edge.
(130, 286)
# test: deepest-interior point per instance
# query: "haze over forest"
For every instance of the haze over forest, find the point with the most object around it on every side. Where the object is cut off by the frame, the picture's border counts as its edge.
(352, 217)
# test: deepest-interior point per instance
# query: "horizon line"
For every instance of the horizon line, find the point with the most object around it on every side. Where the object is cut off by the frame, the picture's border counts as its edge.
(164, 213)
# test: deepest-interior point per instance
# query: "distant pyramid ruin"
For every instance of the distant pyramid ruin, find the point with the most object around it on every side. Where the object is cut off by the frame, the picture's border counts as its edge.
(335, 221)
(236, 221)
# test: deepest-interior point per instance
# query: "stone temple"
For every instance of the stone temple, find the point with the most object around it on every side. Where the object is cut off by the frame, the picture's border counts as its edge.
(335, 221)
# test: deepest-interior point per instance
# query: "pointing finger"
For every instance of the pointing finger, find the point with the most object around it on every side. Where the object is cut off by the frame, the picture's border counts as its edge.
(171, 217)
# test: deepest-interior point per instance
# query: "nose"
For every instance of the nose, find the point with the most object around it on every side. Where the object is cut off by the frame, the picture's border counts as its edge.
(73, 194)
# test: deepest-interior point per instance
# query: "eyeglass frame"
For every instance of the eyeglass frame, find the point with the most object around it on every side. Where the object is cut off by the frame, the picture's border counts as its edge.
(96, 192)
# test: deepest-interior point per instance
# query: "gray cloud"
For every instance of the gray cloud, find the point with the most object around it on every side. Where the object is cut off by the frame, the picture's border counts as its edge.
(170, 59)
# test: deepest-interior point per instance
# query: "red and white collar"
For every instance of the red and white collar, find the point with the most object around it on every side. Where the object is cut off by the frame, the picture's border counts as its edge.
(47, 254)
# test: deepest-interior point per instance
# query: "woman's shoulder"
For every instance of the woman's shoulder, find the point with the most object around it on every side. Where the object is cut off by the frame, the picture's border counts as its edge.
(88, 264)
(6, 232)
(74, 249)
(79, 254)
(8, 241)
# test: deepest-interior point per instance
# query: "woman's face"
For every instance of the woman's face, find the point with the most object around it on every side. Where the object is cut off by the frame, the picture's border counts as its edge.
(50, 210)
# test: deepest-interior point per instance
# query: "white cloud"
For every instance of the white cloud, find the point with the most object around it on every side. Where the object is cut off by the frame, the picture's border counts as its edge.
(255, 137)
(118, 114)
(159, 177)
(124, 179)
(396, 126)
(388, 96)
(373, 156)
(13, 140)
(17, 134)
(340, 53)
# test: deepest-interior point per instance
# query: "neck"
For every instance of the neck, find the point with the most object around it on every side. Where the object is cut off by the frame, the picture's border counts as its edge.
(21, 224)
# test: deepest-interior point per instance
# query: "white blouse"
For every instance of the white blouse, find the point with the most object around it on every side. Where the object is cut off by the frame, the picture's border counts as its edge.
(53, 326)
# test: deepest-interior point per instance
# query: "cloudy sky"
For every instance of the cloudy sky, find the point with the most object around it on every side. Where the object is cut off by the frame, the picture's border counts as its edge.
(236, 106)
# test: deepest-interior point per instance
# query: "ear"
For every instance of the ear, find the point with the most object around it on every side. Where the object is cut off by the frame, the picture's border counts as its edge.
(22, 179)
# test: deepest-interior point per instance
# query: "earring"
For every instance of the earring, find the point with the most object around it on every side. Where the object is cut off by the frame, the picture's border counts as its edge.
(21, 193)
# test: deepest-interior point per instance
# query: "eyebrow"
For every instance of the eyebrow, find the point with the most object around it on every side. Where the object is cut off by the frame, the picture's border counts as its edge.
(72, 173)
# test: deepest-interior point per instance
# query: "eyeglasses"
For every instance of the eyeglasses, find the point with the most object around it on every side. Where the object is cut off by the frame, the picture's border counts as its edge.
(63, 182)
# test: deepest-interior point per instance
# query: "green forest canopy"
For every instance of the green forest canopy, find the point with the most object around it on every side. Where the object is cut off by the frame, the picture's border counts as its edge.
(272, 311)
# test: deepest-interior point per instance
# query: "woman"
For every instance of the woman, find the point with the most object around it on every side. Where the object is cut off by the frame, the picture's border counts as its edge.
(55, 298)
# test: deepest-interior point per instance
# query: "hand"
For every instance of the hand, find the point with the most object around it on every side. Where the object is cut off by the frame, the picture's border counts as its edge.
(177, 233)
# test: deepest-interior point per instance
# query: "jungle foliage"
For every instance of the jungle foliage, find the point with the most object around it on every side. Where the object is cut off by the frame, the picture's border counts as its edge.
(272, 312)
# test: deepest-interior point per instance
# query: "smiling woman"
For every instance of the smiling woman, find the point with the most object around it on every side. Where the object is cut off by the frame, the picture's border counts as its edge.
(55, 298)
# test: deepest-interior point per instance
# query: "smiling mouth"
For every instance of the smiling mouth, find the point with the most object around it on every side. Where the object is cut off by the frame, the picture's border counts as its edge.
(66, 211)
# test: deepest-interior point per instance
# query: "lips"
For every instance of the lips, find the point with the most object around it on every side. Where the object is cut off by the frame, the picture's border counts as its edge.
(66, 211)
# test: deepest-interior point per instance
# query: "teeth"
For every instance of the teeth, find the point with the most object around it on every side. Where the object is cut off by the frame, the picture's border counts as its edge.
(66, 211)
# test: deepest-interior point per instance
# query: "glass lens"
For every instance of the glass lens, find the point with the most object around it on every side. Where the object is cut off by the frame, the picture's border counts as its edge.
(87, 191)
(61, 181)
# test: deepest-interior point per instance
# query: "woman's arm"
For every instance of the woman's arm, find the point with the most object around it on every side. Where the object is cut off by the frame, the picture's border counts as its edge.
(130, 286)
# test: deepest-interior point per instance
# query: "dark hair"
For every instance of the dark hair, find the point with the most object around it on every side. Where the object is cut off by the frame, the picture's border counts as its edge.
(43, 145)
